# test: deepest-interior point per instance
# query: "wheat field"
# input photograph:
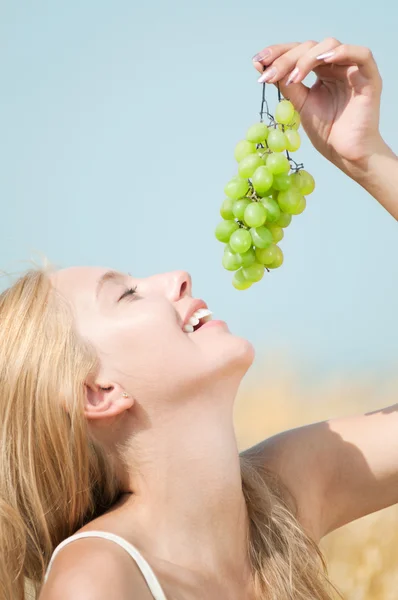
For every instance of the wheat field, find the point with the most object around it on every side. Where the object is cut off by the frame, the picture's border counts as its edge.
(362, 556)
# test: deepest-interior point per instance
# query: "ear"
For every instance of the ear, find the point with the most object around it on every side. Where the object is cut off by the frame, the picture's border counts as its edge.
(104, 401)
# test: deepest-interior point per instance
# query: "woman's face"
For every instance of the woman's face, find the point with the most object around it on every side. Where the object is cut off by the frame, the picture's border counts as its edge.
(139, 338)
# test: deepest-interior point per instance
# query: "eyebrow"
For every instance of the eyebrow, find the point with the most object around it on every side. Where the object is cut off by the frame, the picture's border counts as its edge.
(107, 277)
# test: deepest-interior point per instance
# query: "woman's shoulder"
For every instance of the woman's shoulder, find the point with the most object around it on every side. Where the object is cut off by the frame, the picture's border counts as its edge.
(93, 567)
(297, 470)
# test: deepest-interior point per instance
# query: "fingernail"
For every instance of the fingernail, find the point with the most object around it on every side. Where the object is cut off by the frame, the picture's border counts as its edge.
(325, 55)
(269, 74)
(261, 55)
(292, 76)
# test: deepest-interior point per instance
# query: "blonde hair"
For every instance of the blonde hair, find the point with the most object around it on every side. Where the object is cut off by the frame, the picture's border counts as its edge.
(54, 477)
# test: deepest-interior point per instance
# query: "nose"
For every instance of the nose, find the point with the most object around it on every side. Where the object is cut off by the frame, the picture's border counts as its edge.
(174, 285)
(179, 285)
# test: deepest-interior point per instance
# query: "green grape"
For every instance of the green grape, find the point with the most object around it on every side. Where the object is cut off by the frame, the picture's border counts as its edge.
(253, 226)
(272, 208)
(240, 241)
(236, 188)
(278, 260)
(278, 163)
(248, 165)
(239, 207)
(284, 220)
(263, 153)
(262, 179)
(261, 236)
(225, 229)
(304, 182)
(228, 248)
(274, 194)
(255, 214)
(243, 149)
(282, 182)
(226, 209)
(239, 281)
(254, 272)
(266, 256)
(296, 121)
(293, 140)
(284, 112)
(289, 200)
(247, 258)
(257, 133)
(276, 231)
(301, 206)
(277, 141)
(230, 261)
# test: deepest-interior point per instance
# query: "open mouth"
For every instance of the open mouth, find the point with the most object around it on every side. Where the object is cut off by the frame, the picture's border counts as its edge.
(198, 318)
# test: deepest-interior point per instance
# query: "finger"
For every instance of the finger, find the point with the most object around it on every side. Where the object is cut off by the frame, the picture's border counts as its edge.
(269, 54)
(346, 54)
(301, 63)
(285, 63)
(281, 67)
(307, 60)
(331, 72)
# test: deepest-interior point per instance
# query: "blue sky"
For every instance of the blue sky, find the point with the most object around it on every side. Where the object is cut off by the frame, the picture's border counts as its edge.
(118, 122)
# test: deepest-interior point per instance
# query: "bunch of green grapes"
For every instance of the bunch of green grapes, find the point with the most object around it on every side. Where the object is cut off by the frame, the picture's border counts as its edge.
(270, 187)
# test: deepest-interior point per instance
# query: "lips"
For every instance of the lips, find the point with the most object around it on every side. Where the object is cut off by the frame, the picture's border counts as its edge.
(198, 317)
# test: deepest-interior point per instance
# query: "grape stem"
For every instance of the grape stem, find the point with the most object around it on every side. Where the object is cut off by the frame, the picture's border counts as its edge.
(242, 225)
(279, 92)
(273, 123)
(297, 166)
(264, 102)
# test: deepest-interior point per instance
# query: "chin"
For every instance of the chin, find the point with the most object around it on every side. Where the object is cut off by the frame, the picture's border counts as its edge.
(246, 351)
(237, 353)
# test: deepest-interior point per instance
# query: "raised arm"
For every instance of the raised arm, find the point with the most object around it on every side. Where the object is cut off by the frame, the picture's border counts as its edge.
(341, 469)
(340, 112)
(337, 470)
(379, 176)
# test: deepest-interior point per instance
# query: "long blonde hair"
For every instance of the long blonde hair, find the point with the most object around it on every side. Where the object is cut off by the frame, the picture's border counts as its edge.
(54, 477)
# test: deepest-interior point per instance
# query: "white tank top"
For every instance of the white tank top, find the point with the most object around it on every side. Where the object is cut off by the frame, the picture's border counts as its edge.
(144, 567)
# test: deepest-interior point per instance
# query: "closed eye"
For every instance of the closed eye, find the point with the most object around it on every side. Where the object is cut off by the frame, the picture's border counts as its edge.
(128, 292)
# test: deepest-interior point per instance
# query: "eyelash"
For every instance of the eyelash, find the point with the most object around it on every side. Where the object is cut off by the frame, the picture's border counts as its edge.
(128, 292)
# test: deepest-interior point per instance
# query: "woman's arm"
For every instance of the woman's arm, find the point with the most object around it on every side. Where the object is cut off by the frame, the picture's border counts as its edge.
(340, 112)
(337, 470)
(341, 469)
(364, 473)
(379, 176)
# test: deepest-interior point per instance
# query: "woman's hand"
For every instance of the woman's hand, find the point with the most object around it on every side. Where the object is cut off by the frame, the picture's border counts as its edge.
(340, 112)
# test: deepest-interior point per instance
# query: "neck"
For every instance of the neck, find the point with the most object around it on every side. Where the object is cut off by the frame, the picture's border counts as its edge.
(187, 498)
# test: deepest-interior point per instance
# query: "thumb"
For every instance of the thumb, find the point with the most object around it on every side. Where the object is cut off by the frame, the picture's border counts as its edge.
(295, 92)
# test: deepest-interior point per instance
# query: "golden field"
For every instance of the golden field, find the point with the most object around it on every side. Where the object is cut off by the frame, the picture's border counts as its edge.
(362, 556)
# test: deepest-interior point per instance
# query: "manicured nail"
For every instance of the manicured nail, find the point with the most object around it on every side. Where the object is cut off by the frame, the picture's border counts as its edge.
(325, 55)
(261, 55)
(292, 76)
(269, 74)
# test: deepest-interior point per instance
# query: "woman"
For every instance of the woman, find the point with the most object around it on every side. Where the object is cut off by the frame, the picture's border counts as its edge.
(117, 423)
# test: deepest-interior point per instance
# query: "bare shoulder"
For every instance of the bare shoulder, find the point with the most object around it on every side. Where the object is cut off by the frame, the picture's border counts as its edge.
(94, 569)
(295, 456)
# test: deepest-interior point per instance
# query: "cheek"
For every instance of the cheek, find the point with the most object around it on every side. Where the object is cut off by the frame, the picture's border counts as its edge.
(150, 350)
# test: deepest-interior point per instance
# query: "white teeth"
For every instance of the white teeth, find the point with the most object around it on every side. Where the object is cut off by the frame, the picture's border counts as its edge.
(193, 320)
(201, 313)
